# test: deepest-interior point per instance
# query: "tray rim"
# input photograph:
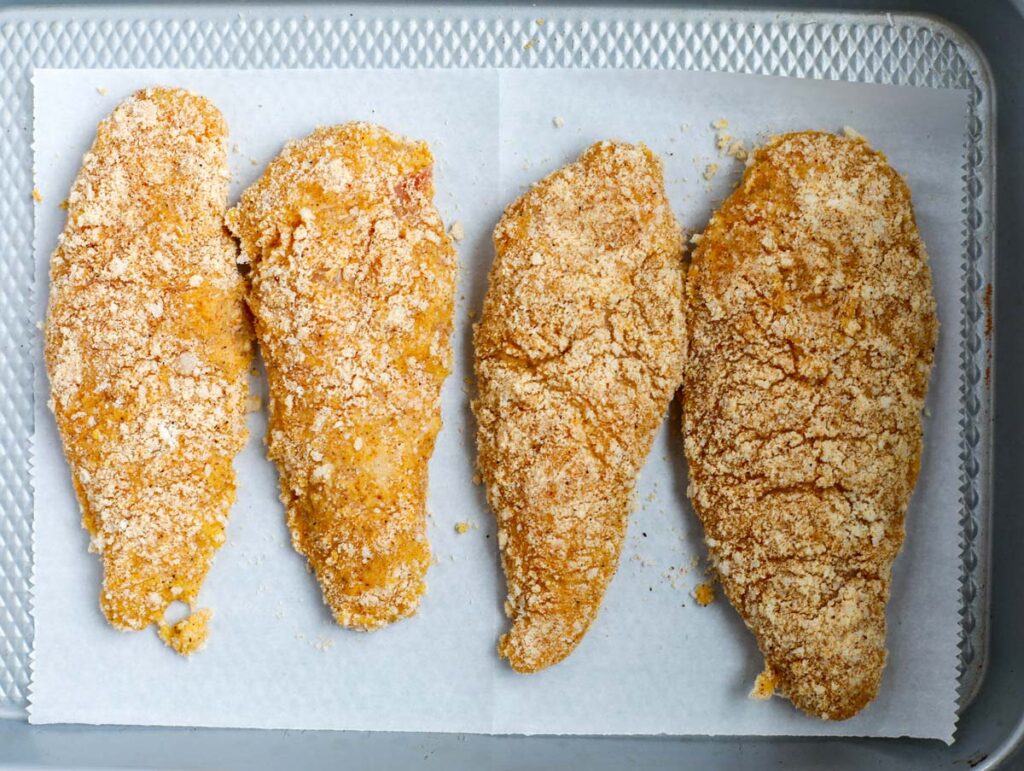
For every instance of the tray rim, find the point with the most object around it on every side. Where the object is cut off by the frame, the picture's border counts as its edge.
(936, 22)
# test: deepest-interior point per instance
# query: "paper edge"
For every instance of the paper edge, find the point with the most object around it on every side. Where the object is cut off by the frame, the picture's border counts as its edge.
(284, 726)
(32, 438)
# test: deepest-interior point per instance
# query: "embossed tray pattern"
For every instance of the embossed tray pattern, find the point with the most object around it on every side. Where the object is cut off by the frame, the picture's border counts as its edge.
(882, 49)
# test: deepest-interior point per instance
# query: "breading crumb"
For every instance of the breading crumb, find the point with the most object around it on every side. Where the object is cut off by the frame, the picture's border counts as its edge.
(558, 121)
(462, 527)
(456, 231)
(738, 150)
(710, 171)
(188, 635)
(36, 195)
(102, 90)
(704, 594)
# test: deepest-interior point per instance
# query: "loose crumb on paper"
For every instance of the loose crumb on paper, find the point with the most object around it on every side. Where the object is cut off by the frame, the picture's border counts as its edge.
(457, 231)
(726, 143)
(36, 195)
(102, 90)
(463, 527)
(675, 576)
(710, 171)
(738, 150)
(643, 561)
(189, 634)
(558, 121)
(704, 594)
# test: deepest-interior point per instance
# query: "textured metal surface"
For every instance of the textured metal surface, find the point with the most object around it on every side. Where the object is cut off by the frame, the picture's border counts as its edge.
(882, 49)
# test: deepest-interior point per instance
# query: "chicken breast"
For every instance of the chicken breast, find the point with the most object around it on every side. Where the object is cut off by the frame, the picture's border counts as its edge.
(578, 352)
(353, 284)
(811, 329)
(148, 346)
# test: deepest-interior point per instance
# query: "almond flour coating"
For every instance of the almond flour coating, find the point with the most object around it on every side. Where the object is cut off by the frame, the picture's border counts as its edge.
(353, 284)
(811, 330)
(578, 353)
(147, 346)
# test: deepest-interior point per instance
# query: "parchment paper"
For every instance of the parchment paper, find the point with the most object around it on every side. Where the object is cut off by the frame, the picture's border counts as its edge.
(654, 662)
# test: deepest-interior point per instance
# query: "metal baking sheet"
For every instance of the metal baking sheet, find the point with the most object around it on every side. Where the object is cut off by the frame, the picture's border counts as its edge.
(881, 48)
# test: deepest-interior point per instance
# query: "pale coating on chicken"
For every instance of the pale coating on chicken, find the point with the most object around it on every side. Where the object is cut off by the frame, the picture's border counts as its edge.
(578, 352)
(353, 284)
(148, 345)
(811, 330)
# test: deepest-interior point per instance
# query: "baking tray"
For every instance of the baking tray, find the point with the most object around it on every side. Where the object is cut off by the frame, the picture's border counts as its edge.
(902, 47)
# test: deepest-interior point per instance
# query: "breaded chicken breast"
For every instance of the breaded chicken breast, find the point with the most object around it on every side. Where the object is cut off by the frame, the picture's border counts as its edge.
(578, 352)
(353, 284)
(148, 345)
(811, 327)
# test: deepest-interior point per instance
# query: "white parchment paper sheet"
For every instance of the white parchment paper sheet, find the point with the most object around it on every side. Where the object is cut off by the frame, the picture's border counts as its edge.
(654, 662)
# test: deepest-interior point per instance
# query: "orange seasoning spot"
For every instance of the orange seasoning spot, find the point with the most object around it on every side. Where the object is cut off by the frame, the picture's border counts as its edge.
(704, 594)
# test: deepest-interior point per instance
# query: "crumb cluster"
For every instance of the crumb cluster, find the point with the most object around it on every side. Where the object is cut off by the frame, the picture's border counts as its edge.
(811, 329)
(147, 348)
(726, 144)
(578, 351)
(188, 635)
(353, 285)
